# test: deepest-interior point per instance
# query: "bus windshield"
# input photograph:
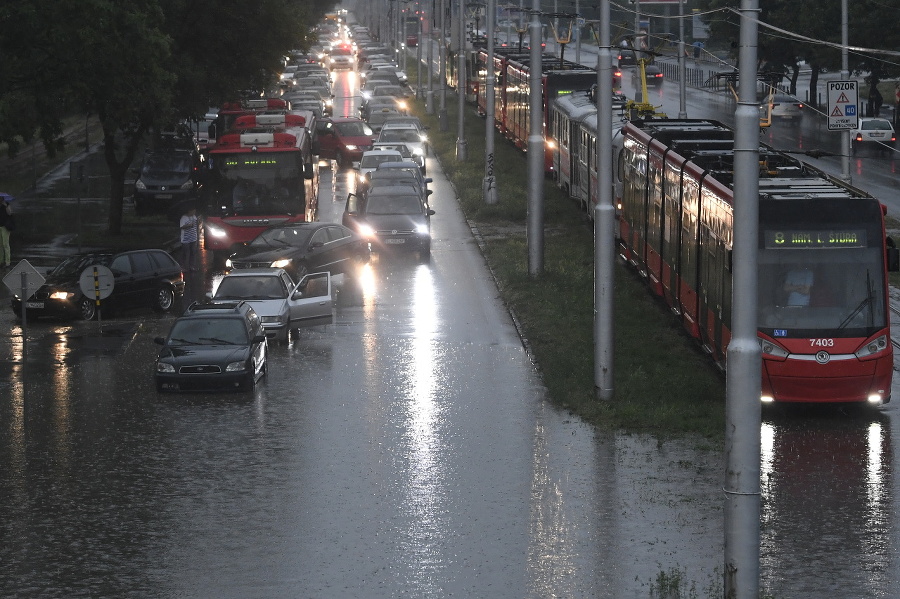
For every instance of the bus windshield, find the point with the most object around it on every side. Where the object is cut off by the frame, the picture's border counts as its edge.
(258, 183)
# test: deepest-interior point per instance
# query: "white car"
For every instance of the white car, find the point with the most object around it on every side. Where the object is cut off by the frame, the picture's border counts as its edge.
(781, 106)
(873, 132)
(409, 134)
(281, 304)
(371, 159)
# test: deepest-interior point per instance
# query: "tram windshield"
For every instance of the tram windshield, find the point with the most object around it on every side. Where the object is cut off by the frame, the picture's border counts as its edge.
(821, 291)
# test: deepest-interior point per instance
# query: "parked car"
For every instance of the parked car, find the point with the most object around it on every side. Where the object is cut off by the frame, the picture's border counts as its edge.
(166, 178)
(873, 132)
(302, 248)
(344, 139)
(392, 217)
(220, 345)
(282, 304)
(142, 279)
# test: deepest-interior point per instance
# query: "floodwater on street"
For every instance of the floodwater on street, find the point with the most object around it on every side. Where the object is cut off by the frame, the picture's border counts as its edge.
(406, 450)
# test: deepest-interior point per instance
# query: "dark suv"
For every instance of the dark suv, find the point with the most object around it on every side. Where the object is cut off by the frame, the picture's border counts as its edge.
(142, 278)
(218, 345)
(392, 217)
(166, 177)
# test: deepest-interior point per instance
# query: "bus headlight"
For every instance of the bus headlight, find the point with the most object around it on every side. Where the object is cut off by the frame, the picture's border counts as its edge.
(771, 350)
(215, 231)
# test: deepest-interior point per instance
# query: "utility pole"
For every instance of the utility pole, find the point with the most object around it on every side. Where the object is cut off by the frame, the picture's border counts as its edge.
(443, 124)
(429, 95)
(682, 84)
(845, 75)
(742, 384)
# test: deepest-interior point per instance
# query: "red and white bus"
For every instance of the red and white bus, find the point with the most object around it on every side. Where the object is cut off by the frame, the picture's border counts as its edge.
(260, 174)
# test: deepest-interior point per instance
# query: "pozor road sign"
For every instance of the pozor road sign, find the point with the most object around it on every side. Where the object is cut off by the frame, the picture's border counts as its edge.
(843, 105)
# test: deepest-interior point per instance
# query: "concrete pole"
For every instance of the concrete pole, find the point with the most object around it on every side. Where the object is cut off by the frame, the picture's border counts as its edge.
(743, 382)
(429, 95)
(489, 185)
(577, 33)
(534, 230)
(419, 89)
(682, 74)
(604, 220)
(462, 150)
(443, 124)
(845, 75)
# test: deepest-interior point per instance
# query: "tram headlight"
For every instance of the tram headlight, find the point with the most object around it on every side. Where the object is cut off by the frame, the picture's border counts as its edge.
(771, 350)
(874, 346)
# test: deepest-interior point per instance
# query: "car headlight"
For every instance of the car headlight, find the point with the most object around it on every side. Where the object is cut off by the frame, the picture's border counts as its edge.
(329, 102)
(139, 185)
(281, 263)
(228, 263)
(215, 231)
(61, 295)
(422, 229)
(279, 319)
(236, 367)
(164, 367)
(418, 152)
(402, 105)
(352, 147)
(366, 230)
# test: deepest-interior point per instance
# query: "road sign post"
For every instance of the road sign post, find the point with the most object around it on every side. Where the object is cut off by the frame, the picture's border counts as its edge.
(97, 281)
(28, 280)
(843, 106)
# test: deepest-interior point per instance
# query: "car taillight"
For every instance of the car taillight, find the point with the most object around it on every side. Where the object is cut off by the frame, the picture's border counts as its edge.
(799, 105)
(658, 75)
(859, 137)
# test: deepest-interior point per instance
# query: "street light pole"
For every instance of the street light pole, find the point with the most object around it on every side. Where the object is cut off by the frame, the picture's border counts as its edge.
(682, 84)
(429, 95)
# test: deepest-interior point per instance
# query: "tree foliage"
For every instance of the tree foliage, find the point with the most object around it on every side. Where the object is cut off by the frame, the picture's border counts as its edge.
(137, 65)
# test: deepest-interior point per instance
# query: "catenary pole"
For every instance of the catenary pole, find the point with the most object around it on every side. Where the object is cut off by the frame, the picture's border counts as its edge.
(534, 230)
(743, 383)
(489, 185)
(462, 150)
(429, 62)
(604, 220)
(443, 124)
(845, 75)
(682, 84)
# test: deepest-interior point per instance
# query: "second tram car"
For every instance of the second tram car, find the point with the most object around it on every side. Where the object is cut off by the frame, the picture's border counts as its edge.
(823, 261)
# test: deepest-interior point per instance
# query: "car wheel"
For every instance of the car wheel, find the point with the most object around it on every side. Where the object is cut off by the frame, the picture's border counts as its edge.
(165, 298)
(87, 308)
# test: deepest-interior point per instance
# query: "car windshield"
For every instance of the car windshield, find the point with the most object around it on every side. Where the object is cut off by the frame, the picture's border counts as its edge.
(208, 331)
(251, 288)
(74, 265)
(167, 163)
(280, 237)
(353, 129)
(394, 204)
(876, 125)
(400, 135)
(373, 160)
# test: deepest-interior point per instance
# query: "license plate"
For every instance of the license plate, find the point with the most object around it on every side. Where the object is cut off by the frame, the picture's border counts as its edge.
(164, 196)
(34, 304)
(395, 241)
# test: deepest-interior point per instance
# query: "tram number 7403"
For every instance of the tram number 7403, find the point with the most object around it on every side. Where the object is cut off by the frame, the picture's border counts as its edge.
(821, 342)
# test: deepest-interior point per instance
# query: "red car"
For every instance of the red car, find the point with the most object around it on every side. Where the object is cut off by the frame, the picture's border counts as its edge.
(343, 139)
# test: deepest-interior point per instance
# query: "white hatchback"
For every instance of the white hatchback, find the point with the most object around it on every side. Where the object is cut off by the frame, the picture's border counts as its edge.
(874, 132)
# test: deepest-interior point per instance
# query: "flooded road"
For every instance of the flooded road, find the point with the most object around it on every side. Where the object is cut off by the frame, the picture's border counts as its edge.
(408, 449)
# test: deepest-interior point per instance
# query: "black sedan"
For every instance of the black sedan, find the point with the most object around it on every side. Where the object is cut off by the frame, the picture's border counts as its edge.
(392, 218)
(142, 278)
(302, 248)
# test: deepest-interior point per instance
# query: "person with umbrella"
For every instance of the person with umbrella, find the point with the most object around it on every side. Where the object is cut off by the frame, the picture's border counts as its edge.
(7, 224)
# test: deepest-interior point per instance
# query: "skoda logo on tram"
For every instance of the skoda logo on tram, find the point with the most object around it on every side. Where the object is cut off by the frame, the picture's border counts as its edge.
(823, 357)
